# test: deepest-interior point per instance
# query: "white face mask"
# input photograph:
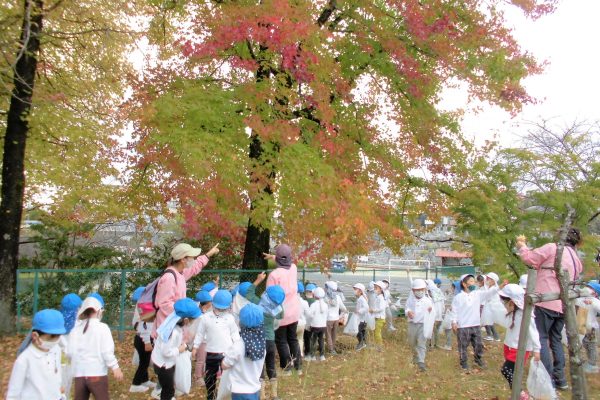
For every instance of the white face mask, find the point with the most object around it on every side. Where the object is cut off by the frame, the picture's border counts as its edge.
(47, 345)
(189, 262)
(419, 294)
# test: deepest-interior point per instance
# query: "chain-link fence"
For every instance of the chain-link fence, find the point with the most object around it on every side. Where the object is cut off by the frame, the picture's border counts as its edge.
(38, 289)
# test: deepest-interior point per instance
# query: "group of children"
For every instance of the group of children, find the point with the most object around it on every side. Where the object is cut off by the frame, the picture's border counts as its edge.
(231, 334)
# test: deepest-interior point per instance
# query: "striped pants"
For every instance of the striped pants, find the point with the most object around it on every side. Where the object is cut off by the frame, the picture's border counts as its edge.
(470, 335)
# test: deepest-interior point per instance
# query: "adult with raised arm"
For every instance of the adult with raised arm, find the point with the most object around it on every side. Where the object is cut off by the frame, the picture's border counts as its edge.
(185, 263)
(549, 315)
(286, 341)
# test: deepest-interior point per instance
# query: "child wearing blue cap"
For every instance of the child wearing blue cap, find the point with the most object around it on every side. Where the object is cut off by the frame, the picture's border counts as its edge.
(302, 321)
(590, 341)
(270, 302)
(169, 343)
(92, 351)
(36, 374)
(239, 300)
(219, 330)
(310, 298)
(143, 342)
(245, 358)
(204, 300)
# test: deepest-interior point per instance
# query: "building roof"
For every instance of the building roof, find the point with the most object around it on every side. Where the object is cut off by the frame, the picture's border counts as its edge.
(451, 254)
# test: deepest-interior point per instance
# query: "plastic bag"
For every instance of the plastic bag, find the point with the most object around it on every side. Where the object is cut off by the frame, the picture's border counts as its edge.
(183, 372)
(428, 322)
(539, 383)
(370, 322)
(352, 325)
(224, 391)
(447, 322)
(135, 358)
(492, 312)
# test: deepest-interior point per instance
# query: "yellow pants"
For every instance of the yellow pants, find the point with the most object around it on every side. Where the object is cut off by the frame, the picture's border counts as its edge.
(379, 323)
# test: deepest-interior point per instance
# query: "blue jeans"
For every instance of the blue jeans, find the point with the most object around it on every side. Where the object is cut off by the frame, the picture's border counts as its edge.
(245, 396)
(550, 325)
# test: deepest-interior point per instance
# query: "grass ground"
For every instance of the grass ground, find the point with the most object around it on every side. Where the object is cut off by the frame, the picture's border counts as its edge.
(354, 375)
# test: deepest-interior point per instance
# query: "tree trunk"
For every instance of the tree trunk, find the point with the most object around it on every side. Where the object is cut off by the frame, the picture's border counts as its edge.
(257, 238)
(13, 161)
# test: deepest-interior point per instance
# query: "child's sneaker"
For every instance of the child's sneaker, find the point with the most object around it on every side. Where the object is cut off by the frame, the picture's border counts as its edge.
(155, 393)
(497, 340)
(422, 367)
(488, 338)
(447, 348)
(361, 346)
(149, 384)
(322, 358)
(138, 388)
(200, 382)
(287, 372)
(333, 353)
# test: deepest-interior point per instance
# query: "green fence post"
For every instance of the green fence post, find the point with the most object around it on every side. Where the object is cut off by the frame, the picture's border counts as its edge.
(36, 284)
(122, 312)
(220, 279)
(373, 274)
(18, 303)
(303, 275)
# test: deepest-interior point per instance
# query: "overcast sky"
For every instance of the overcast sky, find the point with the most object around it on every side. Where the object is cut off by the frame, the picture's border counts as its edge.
(568, 89)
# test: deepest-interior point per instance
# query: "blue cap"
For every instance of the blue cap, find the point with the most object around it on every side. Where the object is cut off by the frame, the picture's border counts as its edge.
(310, 287)
(276, 294)
(97, 297)
(595, 286)
(243, 288)
(137, 294)
(186, 308)
(234, 290)
(49, 321)
(222, 299)
(203, 296)
(208, 286)
(300, 287)
(251, 316)
(71, 302)
(437, 281)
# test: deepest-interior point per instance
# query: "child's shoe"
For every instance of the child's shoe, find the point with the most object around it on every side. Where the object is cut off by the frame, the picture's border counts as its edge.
(322, 358)
(156, 393)
(361, 346)
(488, 338)
(200, 382)
(447, 348)
(149, 384)
(422, 367)
(138, 388)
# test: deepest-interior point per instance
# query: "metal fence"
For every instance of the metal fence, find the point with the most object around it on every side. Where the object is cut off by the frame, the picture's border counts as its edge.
(44, 288)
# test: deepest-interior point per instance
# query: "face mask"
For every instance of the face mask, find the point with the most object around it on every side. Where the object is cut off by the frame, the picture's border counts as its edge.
(218, 312)
(419, 294)
(189, 262)
(47, 345)
(472, 288)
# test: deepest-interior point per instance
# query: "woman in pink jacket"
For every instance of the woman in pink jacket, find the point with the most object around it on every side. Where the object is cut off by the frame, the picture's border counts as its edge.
(549, 316)
(171, 287)
(286, 340)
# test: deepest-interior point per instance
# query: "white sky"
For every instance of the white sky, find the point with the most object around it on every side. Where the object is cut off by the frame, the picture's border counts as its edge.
(569, 87)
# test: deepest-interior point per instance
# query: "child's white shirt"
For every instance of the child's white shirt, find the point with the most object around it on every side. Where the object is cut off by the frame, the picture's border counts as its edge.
(144, 330)
(420, 307)
(335, 305)
(244, 374)
(362, 309)
(92, 353)
(388, 297)
(511, 339)
(593, 310)
(304, 308)
(164, 354)
(466, 306)
(439, 299)
(218, 332)
(318, 314)
(379, 307)
(36, 375)
(371, 298)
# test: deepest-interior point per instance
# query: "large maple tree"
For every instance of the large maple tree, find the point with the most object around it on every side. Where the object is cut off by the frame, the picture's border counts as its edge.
(317, 122)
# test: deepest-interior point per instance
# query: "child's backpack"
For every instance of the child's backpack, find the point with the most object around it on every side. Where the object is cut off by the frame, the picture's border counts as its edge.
(149, 294)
